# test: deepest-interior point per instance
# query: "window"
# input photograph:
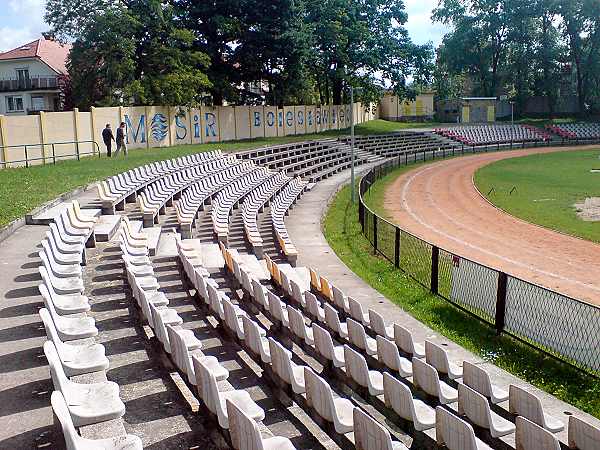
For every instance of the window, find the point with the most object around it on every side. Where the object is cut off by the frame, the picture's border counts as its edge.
(38, 103)
(23, 78)
(14, 104)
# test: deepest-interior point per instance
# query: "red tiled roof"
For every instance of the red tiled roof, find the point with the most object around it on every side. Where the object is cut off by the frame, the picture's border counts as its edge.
(50, 52)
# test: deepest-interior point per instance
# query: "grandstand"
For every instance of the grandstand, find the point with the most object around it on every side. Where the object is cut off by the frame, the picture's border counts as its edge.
(494, 134)
(332, 372)
(576, 131)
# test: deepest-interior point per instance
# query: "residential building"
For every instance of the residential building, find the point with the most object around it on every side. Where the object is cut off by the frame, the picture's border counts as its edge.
(30, 77)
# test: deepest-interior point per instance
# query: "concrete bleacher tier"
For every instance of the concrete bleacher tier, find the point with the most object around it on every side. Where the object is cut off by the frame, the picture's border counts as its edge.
(494, 134)
(336, 370)
(395, 144)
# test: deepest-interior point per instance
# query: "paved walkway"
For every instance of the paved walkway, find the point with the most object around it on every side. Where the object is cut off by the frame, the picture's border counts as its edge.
(305, 229)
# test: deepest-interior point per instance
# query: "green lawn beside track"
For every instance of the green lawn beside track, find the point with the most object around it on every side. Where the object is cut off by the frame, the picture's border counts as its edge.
(23, 189)
(545, 188)
(343, 233)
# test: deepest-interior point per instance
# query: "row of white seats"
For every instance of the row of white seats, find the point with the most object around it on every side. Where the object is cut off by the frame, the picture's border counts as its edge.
(254, 203)
(185, 350)
(493, 134)
(114, 190)
(279, 209)
(160, 193)
(228, 197)
(193, 198)
(65, 321)
(471, 395)
(303, 381)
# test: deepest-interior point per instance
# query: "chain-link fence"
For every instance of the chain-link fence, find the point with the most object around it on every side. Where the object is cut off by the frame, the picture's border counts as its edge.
(566, 328)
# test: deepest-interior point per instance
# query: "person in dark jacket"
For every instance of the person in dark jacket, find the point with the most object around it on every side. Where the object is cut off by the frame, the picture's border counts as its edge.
(121, 139)
(107, 137)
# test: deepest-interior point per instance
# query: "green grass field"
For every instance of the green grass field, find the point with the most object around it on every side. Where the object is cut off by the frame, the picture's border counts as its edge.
(545, 188)
(23, 189)
(343, 232)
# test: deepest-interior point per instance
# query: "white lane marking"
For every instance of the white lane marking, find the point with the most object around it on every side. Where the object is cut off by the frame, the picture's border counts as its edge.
(476, 247)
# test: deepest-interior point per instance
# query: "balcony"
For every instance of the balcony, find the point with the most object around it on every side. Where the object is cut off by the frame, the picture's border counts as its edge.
(29, 84)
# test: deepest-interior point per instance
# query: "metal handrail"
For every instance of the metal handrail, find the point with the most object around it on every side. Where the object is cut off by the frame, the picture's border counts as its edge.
(54, 158)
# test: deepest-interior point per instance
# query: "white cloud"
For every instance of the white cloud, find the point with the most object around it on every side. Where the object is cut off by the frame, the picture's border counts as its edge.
(21, 22)
(420, 26)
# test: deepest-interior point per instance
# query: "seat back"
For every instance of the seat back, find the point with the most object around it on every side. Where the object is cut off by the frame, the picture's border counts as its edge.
(526, 404)
(356, 334)
(582, 435)
(275, 306)
(51, 332)
(159, 328)
(436, 356)
(387, 353)
(252, 334)
(369, 434)
(319, 395)
(297, 293)
(338, 298)
(280, 361)
(59, 379)
(377, 322)
(72, 439)
(297, 324)
(179, 351)
(398, 397)
(259, 294)
(323, 342)
(244, 431)
(426, 377)
(207, 385)
(231, 320)
(326, 288)
(474, 405)
(453, 432)
(530, 436)
(314, 279)
(331, 317)
(312, 304)
(403, 339)
(356, 366)
(356, 310)
(477, 379)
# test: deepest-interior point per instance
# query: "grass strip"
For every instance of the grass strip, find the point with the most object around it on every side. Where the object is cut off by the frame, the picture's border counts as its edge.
(343, 233)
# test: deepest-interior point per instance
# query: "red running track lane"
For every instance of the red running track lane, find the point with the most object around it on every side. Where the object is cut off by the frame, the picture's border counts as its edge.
(440, 204)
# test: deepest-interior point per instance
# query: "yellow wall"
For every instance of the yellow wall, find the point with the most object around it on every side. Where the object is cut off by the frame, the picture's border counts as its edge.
(155, 126)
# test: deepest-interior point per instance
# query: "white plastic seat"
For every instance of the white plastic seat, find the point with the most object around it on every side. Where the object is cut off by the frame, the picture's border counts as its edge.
(371, 435)
(324, 346)
(333, 321)
(405, 342)
(297, 293)
(256, 340)
(358, 370)
(74, 441)
(358, 336)
(233, 319)
(63, 286)
(357, 313)
(313, 307)
(319, 396)
(398, 397)
(582, 435)
(388, 354)
(215, 400)
(340, 300)
(285, 368)
(479, 380)
(58, 268)
(259, 295)
(437, 357)
(299, 327)
(477, 409)
(528, 405)
(379, 327)
(75, 359)
(72, 328)
(455, 433)
(530, 436)
(426, 378)
(64, 304)
(182, 356)
(245, 434)
(87, 403)
(277, 309)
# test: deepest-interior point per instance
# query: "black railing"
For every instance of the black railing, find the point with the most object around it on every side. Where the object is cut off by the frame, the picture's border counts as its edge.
(28, 84)
(47, 152)
(563, 327)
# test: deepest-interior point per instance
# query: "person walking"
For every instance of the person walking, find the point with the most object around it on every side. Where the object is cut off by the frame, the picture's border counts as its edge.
(120, 140)
(107, 137)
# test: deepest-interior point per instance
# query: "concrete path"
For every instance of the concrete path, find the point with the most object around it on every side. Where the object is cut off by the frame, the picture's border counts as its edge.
(305, 228)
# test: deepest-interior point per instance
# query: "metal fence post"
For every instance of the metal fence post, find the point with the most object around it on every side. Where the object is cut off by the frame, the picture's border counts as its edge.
(26, 157)
(501, 302)
(375, 234)
(53, 155)
(397, 248)
(435, 257)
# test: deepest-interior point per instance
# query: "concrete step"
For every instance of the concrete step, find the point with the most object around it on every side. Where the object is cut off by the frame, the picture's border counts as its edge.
(48, 216)
(106, 228)
(211, 256)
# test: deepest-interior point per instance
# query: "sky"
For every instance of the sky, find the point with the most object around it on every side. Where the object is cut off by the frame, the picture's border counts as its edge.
(22, 21)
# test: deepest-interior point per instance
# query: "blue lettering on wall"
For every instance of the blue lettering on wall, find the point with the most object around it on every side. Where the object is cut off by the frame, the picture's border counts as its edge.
(300, 117)
(181, 129)
(196, 126)
(318, 116)
(280, 118)
(210, 124)
(289, 119)
(141, 128)
(310, 118)
(257, 119)
(159, 126)
(325, 116)
(270, 118)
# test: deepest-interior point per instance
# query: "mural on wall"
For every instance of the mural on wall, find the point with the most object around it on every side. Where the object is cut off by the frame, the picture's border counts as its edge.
(159, 127)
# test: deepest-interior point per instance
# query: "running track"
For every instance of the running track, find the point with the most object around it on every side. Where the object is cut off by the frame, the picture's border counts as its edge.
(440, 204)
